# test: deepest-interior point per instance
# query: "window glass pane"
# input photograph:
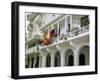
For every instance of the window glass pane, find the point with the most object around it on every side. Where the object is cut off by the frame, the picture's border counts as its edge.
(84, 21)
(62, 25)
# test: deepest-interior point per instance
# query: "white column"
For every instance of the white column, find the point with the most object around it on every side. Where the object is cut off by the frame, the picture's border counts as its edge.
(52, 52)
(66, 25)
(34, 61)
(43, 60)
(30, 62)
(62, 49)
(52, 59)
(62, 58)
(40, 59)
(71, 17)
(76, 57)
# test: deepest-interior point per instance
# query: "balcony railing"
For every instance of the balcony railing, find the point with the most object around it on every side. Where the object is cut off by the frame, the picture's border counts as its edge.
(70, 34)
(79, 31)
(84, 29)
(57, 39)
(31, 50)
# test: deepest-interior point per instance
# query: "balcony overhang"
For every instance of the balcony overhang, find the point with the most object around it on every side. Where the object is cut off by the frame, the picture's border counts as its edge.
(33, 40)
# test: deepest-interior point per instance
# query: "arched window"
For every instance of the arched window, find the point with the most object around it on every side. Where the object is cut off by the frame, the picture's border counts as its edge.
(48, 61)
(28, 63)
(57, 59)
(69, 58)
(32, 61)
(84, 56)
(82, 59)
(70, 61)
(37, 62)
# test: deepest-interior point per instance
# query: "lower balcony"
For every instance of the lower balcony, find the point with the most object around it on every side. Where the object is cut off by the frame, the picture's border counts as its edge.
(32, 50)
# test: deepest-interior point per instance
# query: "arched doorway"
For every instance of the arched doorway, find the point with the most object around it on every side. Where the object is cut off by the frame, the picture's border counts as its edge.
(48, 61)
(32, 61)
(84, 56)
(70, 61)
(81, 59)
(57, 59)
(28, 62)
(69, 58)
(37, 62)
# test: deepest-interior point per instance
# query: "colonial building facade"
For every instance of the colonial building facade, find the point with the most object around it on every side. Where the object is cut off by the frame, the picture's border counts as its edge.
(56, 40)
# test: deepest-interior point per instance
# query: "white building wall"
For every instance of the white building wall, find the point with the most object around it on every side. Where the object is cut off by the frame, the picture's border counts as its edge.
(73, 43)
(47, 18)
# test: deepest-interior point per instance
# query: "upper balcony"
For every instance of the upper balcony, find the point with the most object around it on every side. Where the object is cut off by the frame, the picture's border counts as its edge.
(75, 33)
